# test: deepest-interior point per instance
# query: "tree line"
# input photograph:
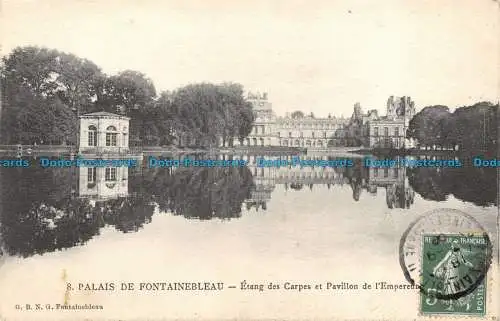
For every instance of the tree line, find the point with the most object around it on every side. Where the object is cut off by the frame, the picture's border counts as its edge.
(43, 92)
(470, 128)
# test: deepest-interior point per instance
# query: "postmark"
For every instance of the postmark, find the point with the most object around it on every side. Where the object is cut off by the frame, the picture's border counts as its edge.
(447, 254)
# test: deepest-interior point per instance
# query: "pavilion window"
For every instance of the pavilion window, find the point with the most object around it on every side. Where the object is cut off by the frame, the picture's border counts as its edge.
(92, 136)
(111, 136)
(91, 174)
(110, 174)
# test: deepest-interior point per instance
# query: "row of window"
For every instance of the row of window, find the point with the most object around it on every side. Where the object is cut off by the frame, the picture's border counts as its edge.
(308, 143)
(386, 131)
(297, 174)
(109, 129)
(386, 172)
(111, 136)
(263, 128)
(301, 135)
(312, 126)
(109, 174)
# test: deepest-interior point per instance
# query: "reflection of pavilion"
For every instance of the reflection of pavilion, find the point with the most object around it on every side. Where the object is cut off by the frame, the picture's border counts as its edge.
(101, 183)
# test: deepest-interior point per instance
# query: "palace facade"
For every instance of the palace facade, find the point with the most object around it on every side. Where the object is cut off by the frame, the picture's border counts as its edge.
(361, 129)
(390, 130)
(307, 131)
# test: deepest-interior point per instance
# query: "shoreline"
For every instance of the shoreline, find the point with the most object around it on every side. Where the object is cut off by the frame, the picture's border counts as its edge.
(42, 150)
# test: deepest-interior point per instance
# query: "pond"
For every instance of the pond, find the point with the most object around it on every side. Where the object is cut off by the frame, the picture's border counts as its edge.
(283, 224)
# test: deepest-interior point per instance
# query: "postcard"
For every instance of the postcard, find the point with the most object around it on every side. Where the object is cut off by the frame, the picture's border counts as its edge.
(249, 160)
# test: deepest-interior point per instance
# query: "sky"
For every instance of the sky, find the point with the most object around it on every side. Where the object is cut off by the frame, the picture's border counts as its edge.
(315, 56)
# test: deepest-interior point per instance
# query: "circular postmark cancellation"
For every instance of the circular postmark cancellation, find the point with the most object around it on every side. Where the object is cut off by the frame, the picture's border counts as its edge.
(446, 253)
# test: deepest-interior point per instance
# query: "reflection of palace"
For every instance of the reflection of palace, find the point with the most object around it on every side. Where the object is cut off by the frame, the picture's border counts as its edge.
(360, 129)
(101, 183)
(394, 180)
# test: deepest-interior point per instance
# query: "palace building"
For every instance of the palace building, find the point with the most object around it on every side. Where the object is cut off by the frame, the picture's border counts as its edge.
(307, 131)
(362, 129)
(370, 129)
(390, 130)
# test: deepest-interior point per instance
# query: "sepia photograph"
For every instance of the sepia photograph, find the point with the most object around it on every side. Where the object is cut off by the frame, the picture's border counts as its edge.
(249, 160)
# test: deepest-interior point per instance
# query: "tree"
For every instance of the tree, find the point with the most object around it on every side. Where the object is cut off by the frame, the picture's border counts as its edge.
(49, 84)
(430, 126)
(297, 114)
(129, 88)
(78, 82)
(474, 128)
(32, 68)
(210, 113)
(136, 93)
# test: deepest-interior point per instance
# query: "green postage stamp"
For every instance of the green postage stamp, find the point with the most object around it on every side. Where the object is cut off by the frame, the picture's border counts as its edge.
(446, 253)
(453, 278)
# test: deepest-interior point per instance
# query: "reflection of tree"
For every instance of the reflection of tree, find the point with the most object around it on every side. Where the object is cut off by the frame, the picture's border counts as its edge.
(476, 185)
(430, 183)
(205, 193)
(40, 213)
(197, 192)
(470, 184)
(296, 186)
(38, 227)
(127, 214)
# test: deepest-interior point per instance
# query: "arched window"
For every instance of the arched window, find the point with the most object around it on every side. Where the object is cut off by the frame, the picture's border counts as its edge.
(92, 135)
(111, 136)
